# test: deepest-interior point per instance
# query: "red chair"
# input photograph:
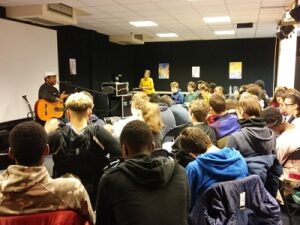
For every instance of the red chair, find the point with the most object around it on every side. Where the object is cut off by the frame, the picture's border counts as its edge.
(64, 217)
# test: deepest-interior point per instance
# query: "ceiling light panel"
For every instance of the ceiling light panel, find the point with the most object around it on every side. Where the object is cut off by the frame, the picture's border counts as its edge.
(224, 32)
(143, 23)
(217, 19)
(165, 35)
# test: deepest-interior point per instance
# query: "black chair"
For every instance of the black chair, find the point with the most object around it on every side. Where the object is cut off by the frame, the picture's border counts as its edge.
(286, 190)
(172, 134)
(89, 170)
(5, 161)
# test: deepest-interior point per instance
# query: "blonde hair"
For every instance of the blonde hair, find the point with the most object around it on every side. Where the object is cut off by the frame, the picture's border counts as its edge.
(139, 99)
(79, 102)
(151, 115)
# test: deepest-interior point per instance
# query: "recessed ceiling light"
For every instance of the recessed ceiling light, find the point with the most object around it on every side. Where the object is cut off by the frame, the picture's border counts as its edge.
(167, 35)
(143, 23)
(217, 19)
(224, 32)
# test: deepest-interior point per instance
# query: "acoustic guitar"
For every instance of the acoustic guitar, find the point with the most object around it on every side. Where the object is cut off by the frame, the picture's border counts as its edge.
(45, 110)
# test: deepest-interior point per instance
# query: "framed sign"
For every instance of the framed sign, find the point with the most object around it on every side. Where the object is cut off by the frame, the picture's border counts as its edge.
(235, 70)
(163, 70)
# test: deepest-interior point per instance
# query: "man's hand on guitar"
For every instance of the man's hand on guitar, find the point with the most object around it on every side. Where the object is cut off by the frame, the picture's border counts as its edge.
(63, 95)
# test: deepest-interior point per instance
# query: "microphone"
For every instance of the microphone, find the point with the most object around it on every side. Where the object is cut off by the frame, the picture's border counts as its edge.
(64, 82)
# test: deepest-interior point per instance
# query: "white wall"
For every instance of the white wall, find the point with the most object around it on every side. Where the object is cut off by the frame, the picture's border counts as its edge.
(287, 61)
(26, 53)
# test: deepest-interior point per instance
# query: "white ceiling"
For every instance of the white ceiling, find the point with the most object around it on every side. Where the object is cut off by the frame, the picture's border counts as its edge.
(183, 17)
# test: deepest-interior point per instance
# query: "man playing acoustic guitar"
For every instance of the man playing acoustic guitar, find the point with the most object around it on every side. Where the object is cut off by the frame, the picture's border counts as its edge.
(50, 103)
(47, 90)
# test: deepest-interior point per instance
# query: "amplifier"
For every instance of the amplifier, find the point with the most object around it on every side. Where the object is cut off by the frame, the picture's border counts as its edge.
(115, 88)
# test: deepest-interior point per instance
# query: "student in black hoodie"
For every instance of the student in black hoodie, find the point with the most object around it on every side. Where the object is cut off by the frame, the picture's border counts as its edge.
(143, 190)
(257, 143)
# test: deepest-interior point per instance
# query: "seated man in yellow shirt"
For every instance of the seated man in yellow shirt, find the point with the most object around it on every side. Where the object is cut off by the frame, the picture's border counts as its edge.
(147, 84)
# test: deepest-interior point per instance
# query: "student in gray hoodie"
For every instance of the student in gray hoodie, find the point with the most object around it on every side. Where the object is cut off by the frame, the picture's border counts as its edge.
(257, 143)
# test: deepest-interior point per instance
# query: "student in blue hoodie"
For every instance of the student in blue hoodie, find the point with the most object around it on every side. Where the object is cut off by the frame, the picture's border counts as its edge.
(176, 96)
(211, 164)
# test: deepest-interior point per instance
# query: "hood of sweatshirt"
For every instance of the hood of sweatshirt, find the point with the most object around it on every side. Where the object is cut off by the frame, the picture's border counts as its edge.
(21, 178)
(224, 164)
(261, 139)
(148, 171)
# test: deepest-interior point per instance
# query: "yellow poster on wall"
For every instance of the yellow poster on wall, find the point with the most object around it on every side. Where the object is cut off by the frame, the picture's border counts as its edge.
(235, 70)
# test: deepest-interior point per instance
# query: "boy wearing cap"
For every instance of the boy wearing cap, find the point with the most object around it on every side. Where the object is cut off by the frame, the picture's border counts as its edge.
(47, 90)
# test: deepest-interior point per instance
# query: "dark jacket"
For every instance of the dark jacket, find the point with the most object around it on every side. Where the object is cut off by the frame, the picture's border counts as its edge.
(167, 118)
(177, 97)
(239, 202)
(254, 140)
(181, 114)
(145, 190)
(48, 92)
(93, 143)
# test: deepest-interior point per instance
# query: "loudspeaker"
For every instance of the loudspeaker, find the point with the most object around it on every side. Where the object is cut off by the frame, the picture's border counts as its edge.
(287, 29)
(295, 13)
(284, 31)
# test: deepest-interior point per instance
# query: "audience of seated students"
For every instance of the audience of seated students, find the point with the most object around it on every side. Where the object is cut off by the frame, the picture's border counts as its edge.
(257, 143)
(205, 93)
(191, 95)
(179, 111)
(223, 123)
(219, 90)
(287, 142)
(176, 96)
(291, 106)
(137, 100)
(143, 189)
(81, 142)
(151, 115)
(27, 188)
(211, 164)
(278, 97)
(166, 114)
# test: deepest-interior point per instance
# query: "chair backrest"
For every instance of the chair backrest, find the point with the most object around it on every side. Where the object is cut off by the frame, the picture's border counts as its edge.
(172, 134)
(293, 156)
(64, 217)
(243, 201)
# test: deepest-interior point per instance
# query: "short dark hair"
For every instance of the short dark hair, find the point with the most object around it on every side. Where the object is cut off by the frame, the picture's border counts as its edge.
(260, 83)
(154, 98)
(28, 141)
(272, 116)
(166, 99)
(217, 103)
(137, 135)
(194, 140)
